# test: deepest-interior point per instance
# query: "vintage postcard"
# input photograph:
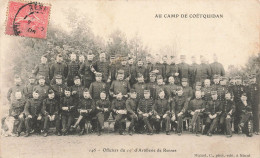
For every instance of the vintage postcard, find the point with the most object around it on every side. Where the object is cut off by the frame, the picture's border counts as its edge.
(169, 78)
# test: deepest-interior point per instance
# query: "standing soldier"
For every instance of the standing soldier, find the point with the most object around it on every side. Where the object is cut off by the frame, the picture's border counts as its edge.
(158, 68)
(125, 67)
(253, 98)
(87, 70)
(131, 107)
(165, 65)
(28, 89)
(170, 88)
(223, 88)
(140, 86)
(202, 71)
(112, 68)
(216, 67)
(228, 109)
(43, 69)
(159, 87)
(132, 71)
(162, 113)
(140, 69)
(193, 68)
(184, 68)
(119, 85)
(172, 70)
(187, 90)
(179, 105)
(17, 88)
(50, 110)
(149, 67)
(206, 90)
(213, 109)
(42, 88)
(238, 89)
(102, 66)
(196, 88)
(119, 112)
(145, 112)
(58, 87)
(59, 68)
(151, 86)
(97, 87)
(73, 69)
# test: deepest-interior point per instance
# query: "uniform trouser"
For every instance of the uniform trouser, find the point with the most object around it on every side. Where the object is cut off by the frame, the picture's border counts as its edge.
(158, 121)
(225, 124)
(255, 109)
(119, 120)
(101, 118)
(47, 122)
(195, 121)
(33, 124)
(245, 122)
(133, 119)
(67, 119)
(179, 123)
(237, 118)
(211, 124)
(147, 121)
(21, 125)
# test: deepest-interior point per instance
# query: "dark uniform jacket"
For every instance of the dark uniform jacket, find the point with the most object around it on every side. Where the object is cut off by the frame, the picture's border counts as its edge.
(253, 94)
(102, 67)
(118, 105)
(73, 70)
(11, 92)
(152, 87)
(42, 90)
(28, 90)
(149, 68)
(68, 102)
(157, 90)
(79, 89)
(187, 92)
(33, 107)
(170, 90)
(196, 104)
(179, 104)
(50, 107)
(141, 70)
(171, 70)
(217, 69)
(227, 106)
(119, 86)
(112, 71)
(184, 70)
(146, 105)
(243, 108)
(161, 106)
(206, 93)
(42, 70)
(58, 90)
(202, 72)
(131, 105)
(86, 104)
(85, 70)
(103, 104)
(213, 107)
(96, 88)
(139, 88)
(160, 67)
(17, 107)
(238, 90)
(126, 70)
(193, 68)
(59, 69)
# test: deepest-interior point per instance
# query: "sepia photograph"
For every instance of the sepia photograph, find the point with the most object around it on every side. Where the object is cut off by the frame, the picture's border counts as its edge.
(120, 78)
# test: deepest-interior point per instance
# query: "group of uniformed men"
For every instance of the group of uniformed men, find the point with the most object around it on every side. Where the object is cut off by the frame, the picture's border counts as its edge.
(153, 97)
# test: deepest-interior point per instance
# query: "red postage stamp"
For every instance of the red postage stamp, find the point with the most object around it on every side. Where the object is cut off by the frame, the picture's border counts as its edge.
(27, 19)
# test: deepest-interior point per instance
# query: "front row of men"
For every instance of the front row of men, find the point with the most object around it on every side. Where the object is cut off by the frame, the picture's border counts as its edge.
(145, 114)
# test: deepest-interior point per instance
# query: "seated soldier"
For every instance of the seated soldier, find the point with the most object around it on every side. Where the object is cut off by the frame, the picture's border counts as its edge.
(213, 109)
(28, 89)
(67, 111)
(245, 124)
(50, 110)
(226, 116)
(196, 107)
(32, 110)
(179, 106)
(170, 88)
(145, 112)
(86, 109)
(103, 109)
(187, 90)
(131, 107)
(119, 112)
(162, 113)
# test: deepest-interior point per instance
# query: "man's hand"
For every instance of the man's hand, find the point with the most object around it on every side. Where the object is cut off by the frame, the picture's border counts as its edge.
(192, 113)
(74, 92)
(65, 108)
(228, 116)
(39, 117)
(105, 109)
(108, 80)
(176, 74)
(179, 114)
(164, 116)
(29, 116)
(21, 116)
(173, 118)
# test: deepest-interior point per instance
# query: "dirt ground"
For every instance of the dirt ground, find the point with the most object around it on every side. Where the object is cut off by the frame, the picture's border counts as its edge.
(114, 145)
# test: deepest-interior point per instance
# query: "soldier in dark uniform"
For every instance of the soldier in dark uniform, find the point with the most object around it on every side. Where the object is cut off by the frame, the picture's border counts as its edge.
(215, 86)
(213, 109)
(81, 59)
(159, 87)
(140, 86)
(253, 98)
(73, 69)
(32, 110)
(125, 67)
(112, 68)
(132, 66)
(140, 69)
(206, 91)
(196, 88)
(131, 107)
(238, 89)
(161, 113)
(216, 67)
(202, 71)
(145, 112)
(17, 88)
(193, 68)
(196, 108)
(86, 108)
(42, 88)
(103, 109)
(119, 86)
(97, 87)
(59, 68)
(173, 70)
(28, 89)
(119, 112)
(102, 66)
(50, 111)
(187, 90)
(58, 87)
(228, 109)
(184, 68)
(148, 67)
(159, 68)
(223, 88)
(43, 69)
(170, 88)
(87, 70)
(245, 123)
(17, 111)
(165, 65)
(151, 85)
(67, 111)
(179, 106)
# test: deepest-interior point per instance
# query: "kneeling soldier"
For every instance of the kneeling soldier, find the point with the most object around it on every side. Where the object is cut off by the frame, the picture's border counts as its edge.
(213, 110)
(131, 107)
(162, 112)
(50, 110)
(33, 120)
(179, 106)
(119, 112)
(228, 110)
(103, 109)
(86, 109)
